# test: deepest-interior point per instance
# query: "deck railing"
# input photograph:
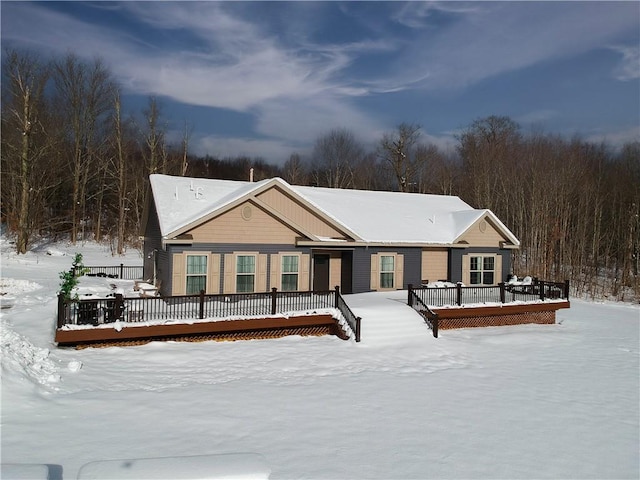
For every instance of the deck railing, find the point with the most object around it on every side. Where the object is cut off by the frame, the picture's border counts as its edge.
(121, 271)
(198, 307)
(429, 315)
(459, 295)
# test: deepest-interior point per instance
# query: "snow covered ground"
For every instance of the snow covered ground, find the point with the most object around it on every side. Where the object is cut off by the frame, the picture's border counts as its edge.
(531, 401)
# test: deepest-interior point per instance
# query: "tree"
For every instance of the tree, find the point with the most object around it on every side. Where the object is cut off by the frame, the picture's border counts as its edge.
(397, 151)
(294, 171)
(334, 157)
(26, 78)
(84, 95)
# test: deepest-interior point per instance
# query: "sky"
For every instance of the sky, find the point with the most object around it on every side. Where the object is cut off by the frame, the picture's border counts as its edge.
(266, 79)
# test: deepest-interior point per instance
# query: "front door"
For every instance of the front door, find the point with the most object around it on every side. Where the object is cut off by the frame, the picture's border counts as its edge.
(320, 272)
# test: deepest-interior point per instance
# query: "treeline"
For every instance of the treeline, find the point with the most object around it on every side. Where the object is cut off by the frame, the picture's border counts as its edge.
(74, 164)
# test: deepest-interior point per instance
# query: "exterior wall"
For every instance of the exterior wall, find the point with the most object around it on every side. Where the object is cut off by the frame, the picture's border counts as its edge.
(153, 251)
(270, 252)
(435, 264)
(483, 234)
(298, 214)
(456, 267)
(244, 224)
(362, 266)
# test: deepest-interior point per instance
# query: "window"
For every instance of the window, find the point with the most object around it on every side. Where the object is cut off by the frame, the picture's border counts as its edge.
(196, 273)
(290, 270)
(482, 270)
(387, 271)
(245, 273)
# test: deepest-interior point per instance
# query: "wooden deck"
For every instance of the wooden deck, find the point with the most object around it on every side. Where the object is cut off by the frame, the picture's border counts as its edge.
(268, 327)
(494, 316)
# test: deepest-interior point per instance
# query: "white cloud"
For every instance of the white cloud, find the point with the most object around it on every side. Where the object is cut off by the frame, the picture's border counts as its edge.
(501, 37)
(616, 138)
(629, 68)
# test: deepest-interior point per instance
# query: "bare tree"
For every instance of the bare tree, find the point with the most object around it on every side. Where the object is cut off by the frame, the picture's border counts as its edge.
(397, 151)
(294, 170)
(25, 80)
(84, 98)
(334, 156)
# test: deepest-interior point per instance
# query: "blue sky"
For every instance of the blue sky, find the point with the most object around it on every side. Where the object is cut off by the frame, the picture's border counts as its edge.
(267, 78)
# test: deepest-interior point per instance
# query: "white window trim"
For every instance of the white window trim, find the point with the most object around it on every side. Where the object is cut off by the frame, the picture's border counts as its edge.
(283, 273)
(482, 270)
(255, 269)
(187, 274)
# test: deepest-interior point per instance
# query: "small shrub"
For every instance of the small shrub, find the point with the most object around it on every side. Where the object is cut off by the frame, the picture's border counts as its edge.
(70, 278)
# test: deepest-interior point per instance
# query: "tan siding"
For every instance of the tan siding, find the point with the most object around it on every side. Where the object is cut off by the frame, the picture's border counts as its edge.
(435, 264)
(298, 214)
(375, 262)
(305, 263)
(399, 273)
(229, 273)
(335, 269)
(213, 274)
(475, 237)
(231, 227)
(261, 274)
(178, 281)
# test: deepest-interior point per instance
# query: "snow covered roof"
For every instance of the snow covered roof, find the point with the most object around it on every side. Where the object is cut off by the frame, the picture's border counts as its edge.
(371, 216)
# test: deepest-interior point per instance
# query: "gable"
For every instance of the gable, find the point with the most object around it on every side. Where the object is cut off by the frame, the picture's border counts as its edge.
(299, 214)
(483, 233)
(245, 223)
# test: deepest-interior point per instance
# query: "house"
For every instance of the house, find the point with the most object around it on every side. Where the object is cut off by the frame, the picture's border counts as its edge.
(228, 237)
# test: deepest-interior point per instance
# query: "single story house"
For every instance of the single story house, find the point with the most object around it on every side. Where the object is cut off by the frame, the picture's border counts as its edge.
(227, 237)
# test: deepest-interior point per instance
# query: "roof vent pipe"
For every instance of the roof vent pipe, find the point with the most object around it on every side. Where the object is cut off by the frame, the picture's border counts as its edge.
(251, 175)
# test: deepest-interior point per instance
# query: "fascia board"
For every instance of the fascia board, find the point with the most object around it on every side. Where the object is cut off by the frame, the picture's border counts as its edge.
(488, 214)
(220, 209)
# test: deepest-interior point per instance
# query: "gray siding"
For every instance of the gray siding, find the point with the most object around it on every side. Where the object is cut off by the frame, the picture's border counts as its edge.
(362, 266)
(152, 245)
(455, 261)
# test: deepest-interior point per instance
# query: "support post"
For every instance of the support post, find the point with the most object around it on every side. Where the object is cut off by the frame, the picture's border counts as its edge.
(118, 306)
(121, 271)
(566, 290)
(459, 294)
(61, 311)
(409, 289)
(434, 323)
(337, 289)
(201, 313)
(358, 327)
(503, 296)
(541, 286)
(274, 300)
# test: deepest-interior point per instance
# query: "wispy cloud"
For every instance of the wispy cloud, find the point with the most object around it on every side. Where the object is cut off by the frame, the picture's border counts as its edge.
(629, 68)
(493, 38)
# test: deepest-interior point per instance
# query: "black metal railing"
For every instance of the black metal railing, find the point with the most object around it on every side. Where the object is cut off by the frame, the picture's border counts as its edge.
(121, 271)
(355, 323)
(459, 295)
(430, 317)
(116, 307)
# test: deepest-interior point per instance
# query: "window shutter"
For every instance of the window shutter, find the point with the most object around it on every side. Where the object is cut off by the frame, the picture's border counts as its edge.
(498, 277)
(305, 262)
(261, 273)
(178, 279)
(399, 273)
(466, 266)
(375, 260)
(213, 274)
(276, 266)
(229, 273)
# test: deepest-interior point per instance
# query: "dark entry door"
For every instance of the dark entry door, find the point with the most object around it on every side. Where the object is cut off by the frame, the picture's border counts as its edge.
(320, 272)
